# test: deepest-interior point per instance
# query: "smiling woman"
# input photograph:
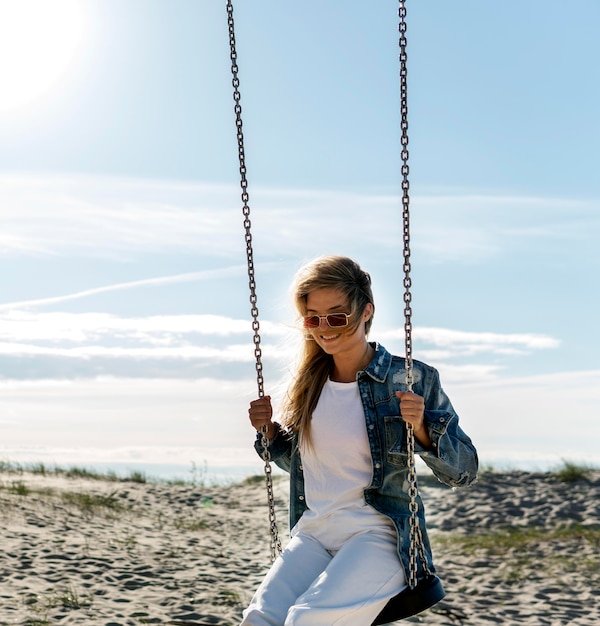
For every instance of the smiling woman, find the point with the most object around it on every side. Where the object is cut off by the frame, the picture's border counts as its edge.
(39, 41)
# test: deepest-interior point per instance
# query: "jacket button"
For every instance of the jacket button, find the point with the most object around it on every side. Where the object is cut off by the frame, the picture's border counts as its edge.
(301, 498)
(377, 465)
(301, 468)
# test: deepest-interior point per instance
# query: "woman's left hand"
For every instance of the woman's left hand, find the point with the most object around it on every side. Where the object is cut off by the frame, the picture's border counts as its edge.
(412, 411)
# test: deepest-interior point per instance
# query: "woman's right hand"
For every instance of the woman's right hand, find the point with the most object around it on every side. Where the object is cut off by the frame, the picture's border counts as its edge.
(261, 414)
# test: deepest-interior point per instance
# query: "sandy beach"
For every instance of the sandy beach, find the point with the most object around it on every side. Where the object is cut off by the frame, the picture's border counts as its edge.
(516, 548)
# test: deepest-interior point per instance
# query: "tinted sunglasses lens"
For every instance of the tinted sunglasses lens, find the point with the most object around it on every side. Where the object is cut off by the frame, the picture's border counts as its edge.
(337, 319)
(312, 322)
(334, 320)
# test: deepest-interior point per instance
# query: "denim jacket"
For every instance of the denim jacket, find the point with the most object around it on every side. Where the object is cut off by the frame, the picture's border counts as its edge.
(452, 457)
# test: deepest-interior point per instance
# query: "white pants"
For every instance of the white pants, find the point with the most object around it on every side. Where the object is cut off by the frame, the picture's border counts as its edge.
(309, 586)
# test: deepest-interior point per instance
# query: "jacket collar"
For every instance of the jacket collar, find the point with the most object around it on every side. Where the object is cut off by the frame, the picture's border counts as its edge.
(379, 366)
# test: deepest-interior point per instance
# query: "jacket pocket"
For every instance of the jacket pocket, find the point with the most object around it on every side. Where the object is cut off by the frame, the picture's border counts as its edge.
(395, 440)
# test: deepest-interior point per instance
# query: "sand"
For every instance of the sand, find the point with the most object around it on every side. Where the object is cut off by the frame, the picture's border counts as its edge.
(517, 548)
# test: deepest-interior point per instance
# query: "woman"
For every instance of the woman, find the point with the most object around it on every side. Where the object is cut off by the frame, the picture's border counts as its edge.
(342, 438)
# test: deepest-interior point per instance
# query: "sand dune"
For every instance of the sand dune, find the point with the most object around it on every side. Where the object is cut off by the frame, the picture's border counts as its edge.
(517, 548)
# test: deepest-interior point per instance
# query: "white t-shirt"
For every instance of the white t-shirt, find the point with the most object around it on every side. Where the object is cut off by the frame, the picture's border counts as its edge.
(337, 469)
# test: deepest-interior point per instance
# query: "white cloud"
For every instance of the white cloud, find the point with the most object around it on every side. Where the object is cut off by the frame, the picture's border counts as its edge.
(94, 339)
(101, 216)
(85, 345)
(148, 282)
(472, 373)
(231, 353)
(158, 329)
(113, 217)
(457, 343)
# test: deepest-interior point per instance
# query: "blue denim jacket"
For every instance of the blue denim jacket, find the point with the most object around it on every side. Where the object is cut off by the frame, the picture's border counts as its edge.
(452, 457)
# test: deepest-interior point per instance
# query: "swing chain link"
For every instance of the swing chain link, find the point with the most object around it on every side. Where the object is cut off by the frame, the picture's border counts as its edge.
(416, 538)
(266, 455)
(245, 200)
(405, 195)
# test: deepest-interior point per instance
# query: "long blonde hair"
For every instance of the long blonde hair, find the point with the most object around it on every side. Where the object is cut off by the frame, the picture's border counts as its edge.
(315, 365)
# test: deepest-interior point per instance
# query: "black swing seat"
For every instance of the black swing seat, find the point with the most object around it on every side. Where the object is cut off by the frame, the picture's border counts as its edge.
(427, 592)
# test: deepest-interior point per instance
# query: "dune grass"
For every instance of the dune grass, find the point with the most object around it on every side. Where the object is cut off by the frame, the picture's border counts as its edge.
(41, 469)
(515, 552)
(86, 503)
(199, 474)
(510, 538)
(572, 472)
(93, 502)
(66, 597)
(567, 471)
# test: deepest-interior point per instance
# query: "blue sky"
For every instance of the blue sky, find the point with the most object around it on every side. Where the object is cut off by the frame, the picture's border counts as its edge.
(124, 315)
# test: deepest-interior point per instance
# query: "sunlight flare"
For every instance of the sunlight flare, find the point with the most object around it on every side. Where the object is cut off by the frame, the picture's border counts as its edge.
(39, 41)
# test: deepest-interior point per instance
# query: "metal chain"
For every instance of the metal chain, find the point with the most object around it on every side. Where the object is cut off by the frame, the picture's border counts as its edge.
(413, 507)
(416, 537)
(405, 195)
(266, 456)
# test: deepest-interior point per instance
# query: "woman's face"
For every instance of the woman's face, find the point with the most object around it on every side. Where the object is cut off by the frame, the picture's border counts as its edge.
(338, 340)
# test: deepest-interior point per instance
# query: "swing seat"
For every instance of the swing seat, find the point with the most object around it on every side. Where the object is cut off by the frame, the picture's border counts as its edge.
(428, 591)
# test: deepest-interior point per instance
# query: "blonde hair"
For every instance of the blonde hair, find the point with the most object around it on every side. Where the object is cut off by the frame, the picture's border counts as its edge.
(315, 365)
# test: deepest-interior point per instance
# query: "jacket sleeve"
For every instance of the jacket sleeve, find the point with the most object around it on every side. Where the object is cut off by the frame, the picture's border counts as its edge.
(452, 456)
(280, 448)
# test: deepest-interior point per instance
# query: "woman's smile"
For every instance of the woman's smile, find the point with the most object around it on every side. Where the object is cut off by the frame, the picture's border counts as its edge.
(330, 337)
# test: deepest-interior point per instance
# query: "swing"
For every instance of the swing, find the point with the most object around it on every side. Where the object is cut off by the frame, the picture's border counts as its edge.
(420, 594)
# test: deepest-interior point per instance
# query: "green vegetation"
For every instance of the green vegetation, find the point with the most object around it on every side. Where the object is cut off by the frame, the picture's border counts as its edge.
(68, 598)
(19, 488)
(191, 524)
(92, 502)
(501, 540)
(199, 475)
(515, 551)
(64, 597)
(567, 472)
(571, 472)
(40, 469)
(228, 597)
(128, 541)
(87, 503)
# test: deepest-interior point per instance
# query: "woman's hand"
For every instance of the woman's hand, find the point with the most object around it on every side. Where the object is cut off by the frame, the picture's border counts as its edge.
(261, 414)
(412, 411)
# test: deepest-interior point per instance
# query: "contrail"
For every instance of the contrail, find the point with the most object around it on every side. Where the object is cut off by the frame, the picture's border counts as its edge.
(161, 280)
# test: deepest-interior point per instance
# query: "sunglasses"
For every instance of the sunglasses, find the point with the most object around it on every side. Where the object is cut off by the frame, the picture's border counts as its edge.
(335, 320)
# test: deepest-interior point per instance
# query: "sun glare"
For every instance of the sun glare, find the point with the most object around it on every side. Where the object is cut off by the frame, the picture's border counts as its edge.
(39, 41)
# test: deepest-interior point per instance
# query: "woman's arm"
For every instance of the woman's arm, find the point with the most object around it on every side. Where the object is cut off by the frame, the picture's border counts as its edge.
(280, 447)
(451, 454)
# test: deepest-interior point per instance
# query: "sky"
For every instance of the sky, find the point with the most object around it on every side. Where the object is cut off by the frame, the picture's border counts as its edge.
(125, 333)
